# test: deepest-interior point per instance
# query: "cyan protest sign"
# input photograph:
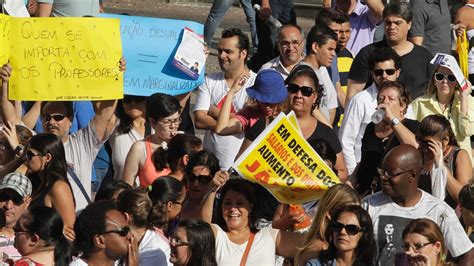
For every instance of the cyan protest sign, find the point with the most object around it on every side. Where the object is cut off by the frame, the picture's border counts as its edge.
(149, 45)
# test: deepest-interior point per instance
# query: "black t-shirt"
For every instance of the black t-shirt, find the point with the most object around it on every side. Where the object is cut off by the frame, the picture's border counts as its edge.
(415, 70)
(373, 149)
(321, 132)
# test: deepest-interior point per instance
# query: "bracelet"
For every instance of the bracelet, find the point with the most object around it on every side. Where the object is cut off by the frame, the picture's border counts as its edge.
(19, 149)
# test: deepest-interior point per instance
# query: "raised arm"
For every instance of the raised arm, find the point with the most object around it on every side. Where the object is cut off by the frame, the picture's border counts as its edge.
(9, 112)
(376, 8)
(287, 243)
(104, 119)
(208, 202)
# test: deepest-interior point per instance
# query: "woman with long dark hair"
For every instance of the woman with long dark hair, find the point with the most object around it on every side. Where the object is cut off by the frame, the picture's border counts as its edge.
(47, 170)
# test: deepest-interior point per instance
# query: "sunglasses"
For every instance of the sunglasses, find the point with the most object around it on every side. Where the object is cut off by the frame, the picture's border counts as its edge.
(120, 231)
(202, 179)
(379, 72)
(305, 90)
(56, 117)
(15, 198)
(29, 155)
(129, 99)
(19, 231)
(351, 229)
(441, 76)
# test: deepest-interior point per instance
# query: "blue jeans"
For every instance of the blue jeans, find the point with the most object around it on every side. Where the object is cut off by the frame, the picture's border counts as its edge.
(218, 10)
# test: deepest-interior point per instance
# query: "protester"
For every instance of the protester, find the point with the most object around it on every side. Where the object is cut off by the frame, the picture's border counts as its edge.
(380, 138)
(47, 170)
(400, 202)
(40, 240)
(180, 149)
(164, 111)
(267, 94)
(136, 206)
(193, 244)
(424, 243)
(233, 53)
(444, 96)
(446, 166)
(335, 197)
(237, 228)
(201, 167)
(103, 236)
(13, 139)
(351, 238)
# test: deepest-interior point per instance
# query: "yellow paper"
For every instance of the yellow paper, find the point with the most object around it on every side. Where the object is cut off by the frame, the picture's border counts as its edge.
(4, 38)
(57, 59)
(282, 161)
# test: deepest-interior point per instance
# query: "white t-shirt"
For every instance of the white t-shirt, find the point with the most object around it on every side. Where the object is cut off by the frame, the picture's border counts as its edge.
(78, 262)
(261, 253)
(213, 92)
(153, 250)
(389, 220)
(121, 144)
(276, 64)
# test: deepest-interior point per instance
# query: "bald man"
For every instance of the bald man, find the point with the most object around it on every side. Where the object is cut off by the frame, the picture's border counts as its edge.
(400, 201)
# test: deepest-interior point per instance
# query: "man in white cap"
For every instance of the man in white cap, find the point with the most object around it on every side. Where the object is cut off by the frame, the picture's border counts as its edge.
(15, 197)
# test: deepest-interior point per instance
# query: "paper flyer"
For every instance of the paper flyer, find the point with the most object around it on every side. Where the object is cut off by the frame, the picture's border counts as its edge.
(190, 57)
(450, 62)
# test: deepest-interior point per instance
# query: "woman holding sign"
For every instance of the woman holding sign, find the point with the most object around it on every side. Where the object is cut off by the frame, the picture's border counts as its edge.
(446, 97)
(303, 98)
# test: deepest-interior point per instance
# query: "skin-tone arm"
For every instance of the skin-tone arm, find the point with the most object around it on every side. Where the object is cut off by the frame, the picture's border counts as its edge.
(353, 87)
(376, 8)
(332, 116)
(341, 95)
(30, 117)
(404, 135)
(467, 258)
(203, 120)
(208, 202)
(132, 162)
(225, 124)
(8, 107)
(418, 40)
(287, 243)
(44, 10)
(322, 118)
(283, 218)
(265, 10)
(464, 98)
(62, 201)
(341, 168)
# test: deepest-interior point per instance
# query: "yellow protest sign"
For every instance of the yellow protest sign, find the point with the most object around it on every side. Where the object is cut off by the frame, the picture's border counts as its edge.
(282, 161)
(59, 59)
(4, 39)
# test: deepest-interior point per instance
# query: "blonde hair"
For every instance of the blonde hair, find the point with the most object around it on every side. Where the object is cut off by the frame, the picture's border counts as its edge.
(431, 88)
(335, 197)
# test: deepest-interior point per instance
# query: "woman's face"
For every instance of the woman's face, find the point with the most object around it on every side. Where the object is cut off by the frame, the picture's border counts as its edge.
(35, 161)
(134, 107)
(391, 97)
(198, 182)
(299, 102)
(420, 244)
(166, 128)
(236, 210)
(22, 238)
(179, 247)
(175, 207)
(268, 109)
(425, 144)
(444, 81)
(346, 239)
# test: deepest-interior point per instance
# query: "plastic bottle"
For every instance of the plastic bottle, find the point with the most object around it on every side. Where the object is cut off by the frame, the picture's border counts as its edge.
(378, 116)
(271, 21)
(298, 210)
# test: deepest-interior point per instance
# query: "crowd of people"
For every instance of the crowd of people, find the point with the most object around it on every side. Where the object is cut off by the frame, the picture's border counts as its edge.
(128, 182)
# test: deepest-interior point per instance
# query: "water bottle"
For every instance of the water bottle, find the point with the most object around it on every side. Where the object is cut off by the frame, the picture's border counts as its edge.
(272, 21)
(378, 116)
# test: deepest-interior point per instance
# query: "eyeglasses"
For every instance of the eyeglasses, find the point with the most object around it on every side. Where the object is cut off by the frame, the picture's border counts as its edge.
(440, 77)
(384, 173)
(379, 72)
(202, 179)
(15, 198)
(351, 229)
(176, 242)
(305, 90)
(417, 246)
(18, 231)
(169, 122)
(30, 155)
(129, 99)
(120, 231)
(294, 43)
(56, 117)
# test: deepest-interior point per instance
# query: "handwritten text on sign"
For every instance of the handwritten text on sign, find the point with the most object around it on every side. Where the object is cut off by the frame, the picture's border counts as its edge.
(149, 45)
(65, 59)
(282, 161)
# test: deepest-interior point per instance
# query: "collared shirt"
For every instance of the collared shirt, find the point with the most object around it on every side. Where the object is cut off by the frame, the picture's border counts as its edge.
(356, 118)
(462, 125)
(363, 25)
(277, 65)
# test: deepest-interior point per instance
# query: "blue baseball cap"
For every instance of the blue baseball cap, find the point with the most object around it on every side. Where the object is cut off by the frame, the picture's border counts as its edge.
(269, 87)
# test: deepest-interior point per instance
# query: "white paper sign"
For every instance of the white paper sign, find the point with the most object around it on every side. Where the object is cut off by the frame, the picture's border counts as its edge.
(450, 62)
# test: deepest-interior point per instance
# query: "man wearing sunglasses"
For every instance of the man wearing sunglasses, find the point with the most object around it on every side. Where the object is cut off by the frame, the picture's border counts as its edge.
(400, 202)
(15, 197)
(384, 64)
(103, 236)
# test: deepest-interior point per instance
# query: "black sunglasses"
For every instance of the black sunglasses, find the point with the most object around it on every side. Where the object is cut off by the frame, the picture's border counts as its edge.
(129, 99)
(441, 76)
(351, 229)
(202, 179)
(379, 72)
(15, 198)
(305, 90)
(56, 117)
(29, 155)
(120, 231)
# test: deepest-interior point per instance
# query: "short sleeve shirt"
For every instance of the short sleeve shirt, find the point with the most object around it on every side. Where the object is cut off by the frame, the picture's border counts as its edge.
(73, 8)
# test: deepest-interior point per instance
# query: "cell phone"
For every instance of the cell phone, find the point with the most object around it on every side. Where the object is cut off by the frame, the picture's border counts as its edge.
(401, 259)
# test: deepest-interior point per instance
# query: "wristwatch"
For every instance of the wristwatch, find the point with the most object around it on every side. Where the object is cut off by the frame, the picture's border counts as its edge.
(19, 149)
(395, 121)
